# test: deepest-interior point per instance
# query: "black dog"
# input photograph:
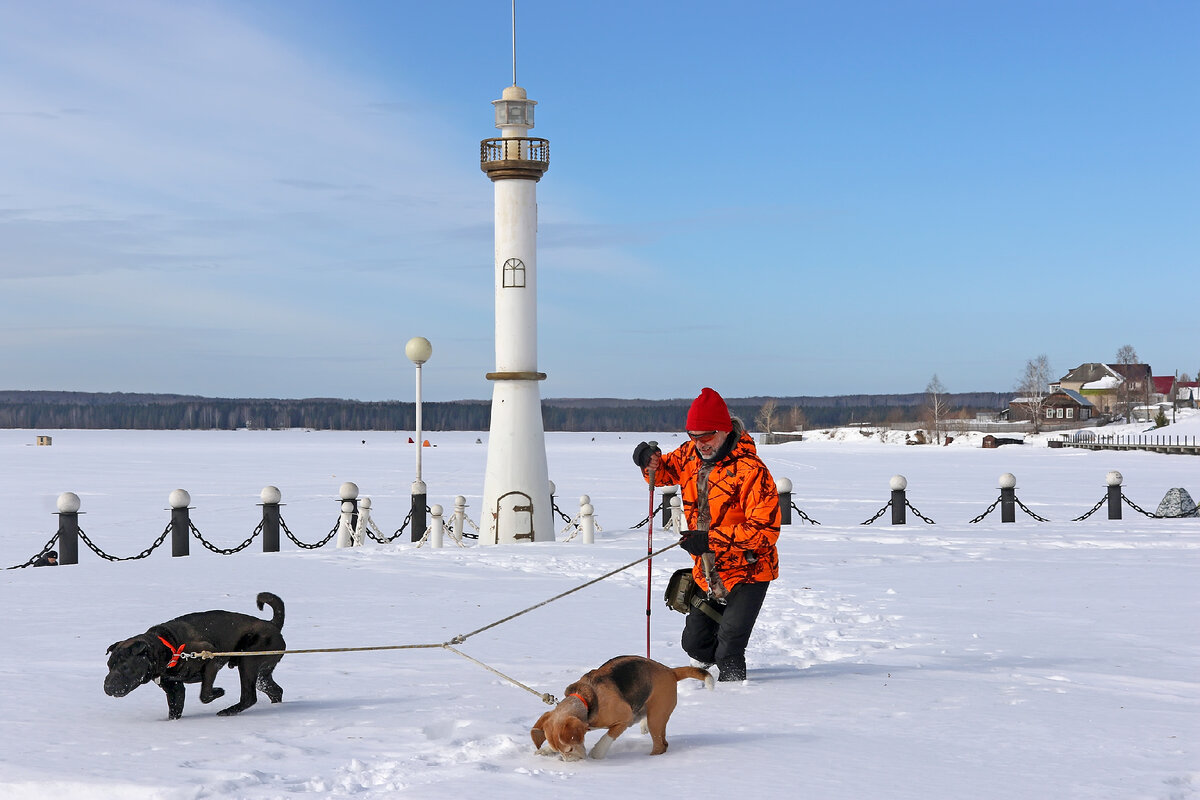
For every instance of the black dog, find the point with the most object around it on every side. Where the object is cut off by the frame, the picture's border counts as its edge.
(155, 656)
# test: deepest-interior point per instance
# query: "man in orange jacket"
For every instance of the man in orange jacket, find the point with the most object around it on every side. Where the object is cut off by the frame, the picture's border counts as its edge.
(732, 510)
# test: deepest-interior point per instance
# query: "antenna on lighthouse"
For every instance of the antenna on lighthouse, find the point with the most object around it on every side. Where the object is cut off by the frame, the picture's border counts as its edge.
(514, 40)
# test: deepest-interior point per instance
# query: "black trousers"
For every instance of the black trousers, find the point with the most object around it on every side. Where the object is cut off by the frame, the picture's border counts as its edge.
(724, 643)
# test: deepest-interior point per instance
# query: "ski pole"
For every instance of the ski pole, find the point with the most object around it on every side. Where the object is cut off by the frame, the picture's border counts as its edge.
(650, 552)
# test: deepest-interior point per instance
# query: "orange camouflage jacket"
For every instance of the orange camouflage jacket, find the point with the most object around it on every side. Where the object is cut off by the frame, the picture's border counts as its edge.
(743, 508)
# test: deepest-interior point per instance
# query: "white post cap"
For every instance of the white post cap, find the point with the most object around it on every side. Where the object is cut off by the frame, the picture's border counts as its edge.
(898, 483)
(179, 499)
(1008, 481)
(68, 503)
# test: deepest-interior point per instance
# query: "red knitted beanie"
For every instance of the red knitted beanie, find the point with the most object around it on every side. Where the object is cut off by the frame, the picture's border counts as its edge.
(709, 413)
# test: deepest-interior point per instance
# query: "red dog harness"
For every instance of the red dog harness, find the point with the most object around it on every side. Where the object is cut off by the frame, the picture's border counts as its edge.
(576, 695)
(177, 652)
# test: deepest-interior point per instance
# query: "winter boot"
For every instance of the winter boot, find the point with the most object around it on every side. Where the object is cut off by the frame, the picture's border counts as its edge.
(732, 669)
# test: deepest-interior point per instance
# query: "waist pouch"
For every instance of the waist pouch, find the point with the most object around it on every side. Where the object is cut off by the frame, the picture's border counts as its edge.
(683, 595)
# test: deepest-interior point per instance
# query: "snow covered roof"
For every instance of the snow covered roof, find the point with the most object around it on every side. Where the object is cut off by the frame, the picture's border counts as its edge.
(1088, 372)
(1104, 384)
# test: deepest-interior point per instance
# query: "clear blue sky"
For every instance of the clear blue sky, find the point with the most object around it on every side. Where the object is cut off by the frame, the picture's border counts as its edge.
(269, 198)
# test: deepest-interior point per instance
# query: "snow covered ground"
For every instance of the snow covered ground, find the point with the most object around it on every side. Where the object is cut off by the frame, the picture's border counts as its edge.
(1029, 660)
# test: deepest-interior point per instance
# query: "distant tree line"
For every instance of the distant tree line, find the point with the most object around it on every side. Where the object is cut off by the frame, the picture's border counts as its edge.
(120, 410)
(179, 412)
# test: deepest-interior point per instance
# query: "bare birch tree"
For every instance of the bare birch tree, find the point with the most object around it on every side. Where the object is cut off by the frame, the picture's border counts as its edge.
(937, 406)
(765, 420)
(1034, 387)
(1126, 393)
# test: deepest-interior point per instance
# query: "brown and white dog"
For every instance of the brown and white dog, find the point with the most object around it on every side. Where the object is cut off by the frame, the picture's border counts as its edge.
(622, 691)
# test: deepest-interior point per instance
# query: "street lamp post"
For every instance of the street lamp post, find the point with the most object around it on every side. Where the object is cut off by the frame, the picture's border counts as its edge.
(418, 349)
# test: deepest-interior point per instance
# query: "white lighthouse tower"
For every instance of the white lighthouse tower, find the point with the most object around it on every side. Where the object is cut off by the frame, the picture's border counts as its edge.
(516, 487)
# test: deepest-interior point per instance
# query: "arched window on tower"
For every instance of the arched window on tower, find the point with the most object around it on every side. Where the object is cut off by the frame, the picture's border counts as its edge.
(514, 274)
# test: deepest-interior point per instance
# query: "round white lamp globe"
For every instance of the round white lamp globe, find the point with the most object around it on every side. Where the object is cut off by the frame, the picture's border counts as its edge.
(418, 349)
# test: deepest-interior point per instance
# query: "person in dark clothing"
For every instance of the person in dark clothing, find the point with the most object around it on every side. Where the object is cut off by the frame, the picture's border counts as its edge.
(731, 506)
(47, 559)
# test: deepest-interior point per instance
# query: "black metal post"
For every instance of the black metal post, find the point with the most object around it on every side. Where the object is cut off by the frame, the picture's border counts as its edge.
(667, 493)
(1008, 504)
(343, 499)
(1114, 502)
(68, 537)
(270, 527)
(783, 485)
(418, 520)
(180, 528)
(899, 507)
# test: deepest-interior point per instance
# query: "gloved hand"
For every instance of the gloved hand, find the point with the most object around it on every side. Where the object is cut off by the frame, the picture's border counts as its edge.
(695, 542)
(643, 453)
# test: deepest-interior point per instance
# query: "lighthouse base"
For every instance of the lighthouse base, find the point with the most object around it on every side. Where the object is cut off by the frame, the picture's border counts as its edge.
(516, 486)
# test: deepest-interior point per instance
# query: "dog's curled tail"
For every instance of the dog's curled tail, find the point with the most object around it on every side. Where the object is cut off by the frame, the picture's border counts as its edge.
(694, 672)
(268, 599)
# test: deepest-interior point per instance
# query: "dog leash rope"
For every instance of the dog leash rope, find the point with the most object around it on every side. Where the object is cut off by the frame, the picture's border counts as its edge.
(549, 699)
(464, 637)
(206, 655)
(209, 654)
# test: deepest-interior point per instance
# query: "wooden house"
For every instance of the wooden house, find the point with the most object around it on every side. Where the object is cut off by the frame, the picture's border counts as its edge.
(1064, 406)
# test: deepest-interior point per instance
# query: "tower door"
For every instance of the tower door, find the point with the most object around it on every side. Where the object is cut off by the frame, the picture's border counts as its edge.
(514, 515)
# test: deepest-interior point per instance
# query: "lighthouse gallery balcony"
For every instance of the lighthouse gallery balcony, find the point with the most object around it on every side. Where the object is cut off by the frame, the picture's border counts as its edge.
(521, 158)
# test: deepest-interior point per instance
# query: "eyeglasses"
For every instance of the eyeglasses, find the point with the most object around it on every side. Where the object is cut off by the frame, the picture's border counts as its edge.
(704, 438)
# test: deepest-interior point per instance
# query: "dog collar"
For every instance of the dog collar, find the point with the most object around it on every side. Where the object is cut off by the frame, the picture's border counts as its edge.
(177, 652)
(579, 697)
